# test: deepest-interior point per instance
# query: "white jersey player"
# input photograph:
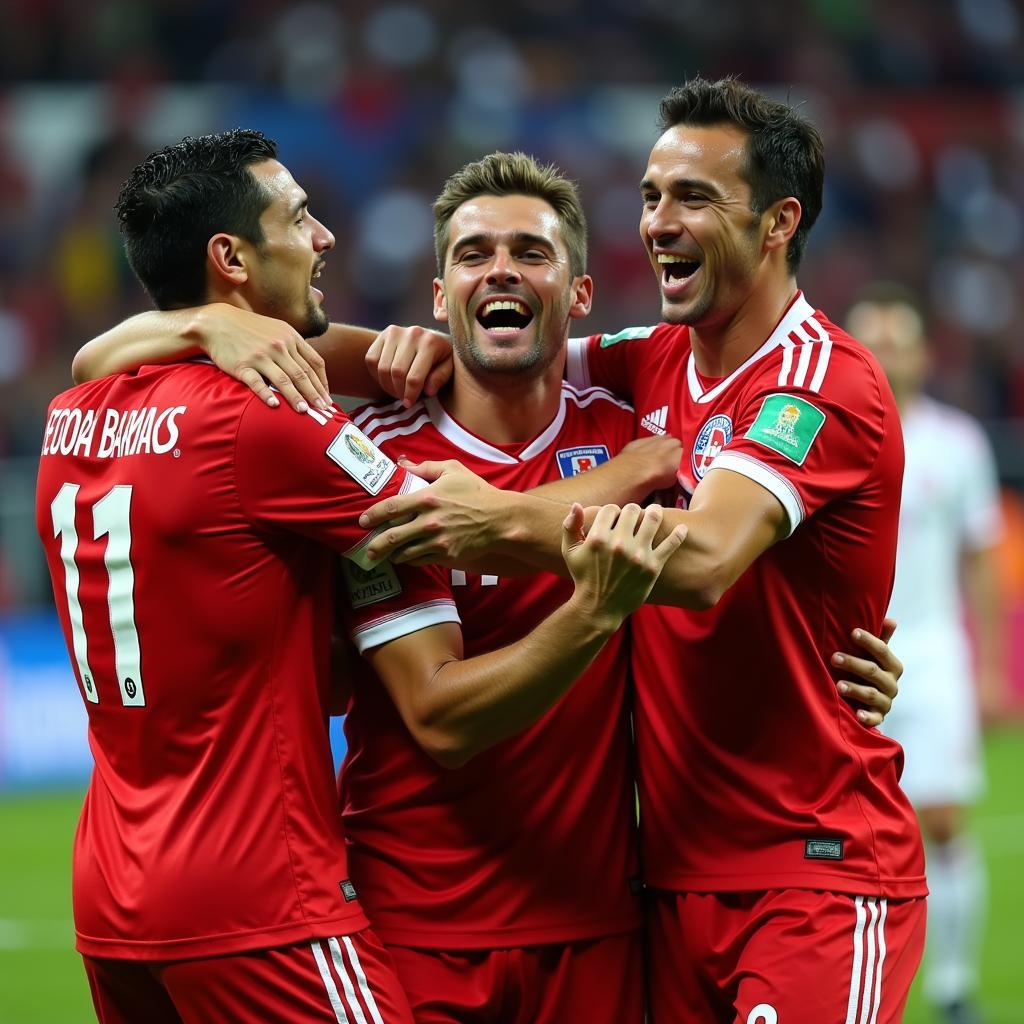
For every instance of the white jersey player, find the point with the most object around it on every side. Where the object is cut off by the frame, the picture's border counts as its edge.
(950, 525)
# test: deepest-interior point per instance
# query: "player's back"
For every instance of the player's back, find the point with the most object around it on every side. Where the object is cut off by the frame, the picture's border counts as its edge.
(199, 637)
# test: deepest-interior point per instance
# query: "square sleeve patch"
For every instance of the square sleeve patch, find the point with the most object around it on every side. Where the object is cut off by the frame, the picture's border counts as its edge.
(788, 425)
(368, 586)
(361, 459)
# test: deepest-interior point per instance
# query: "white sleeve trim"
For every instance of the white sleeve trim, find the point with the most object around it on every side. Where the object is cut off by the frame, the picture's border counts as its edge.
(770, 479)
(399, 624)
(577, 370)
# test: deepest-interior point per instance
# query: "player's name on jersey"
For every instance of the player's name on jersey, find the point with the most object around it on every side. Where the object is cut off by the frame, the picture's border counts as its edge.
(146, 431)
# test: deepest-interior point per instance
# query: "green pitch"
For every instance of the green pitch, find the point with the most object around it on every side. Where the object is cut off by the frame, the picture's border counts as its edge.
(41, 979)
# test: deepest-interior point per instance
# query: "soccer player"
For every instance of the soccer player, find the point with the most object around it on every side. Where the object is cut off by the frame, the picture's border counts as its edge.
(502, 888)
(184, 525)
(950, 527)
(784, 863)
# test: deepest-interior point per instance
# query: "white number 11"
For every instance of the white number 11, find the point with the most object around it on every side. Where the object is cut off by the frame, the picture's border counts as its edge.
(111, 516)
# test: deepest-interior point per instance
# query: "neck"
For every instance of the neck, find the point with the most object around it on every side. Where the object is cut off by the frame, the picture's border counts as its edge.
(723, 346)
(504, 408)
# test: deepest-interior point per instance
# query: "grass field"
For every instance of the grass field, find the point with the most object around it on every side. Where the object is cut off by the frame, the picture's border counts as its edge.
(41, 979)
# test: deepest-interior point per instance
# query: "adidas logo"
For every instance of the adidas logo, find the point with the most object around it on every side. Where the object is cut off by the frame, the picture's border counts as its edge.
(655, 421)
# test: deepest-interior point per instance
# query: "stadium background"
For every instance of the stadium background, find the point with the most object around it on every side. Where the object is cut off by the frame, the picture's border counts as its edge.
(373, 104)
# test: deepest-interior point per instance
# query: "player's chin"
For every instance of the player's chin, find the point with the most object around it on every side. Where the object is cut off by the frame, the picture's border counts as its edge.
(317, 321)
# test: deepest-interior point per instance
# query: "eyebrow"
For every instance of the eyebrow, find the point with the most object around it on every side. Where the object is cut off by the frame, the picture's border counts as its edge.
(682, 184)
(299, 204)
(521, 237)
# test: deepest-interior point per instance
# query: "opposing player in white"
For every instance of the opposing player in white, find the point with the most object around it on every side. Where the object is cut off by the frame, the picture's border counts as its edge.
(950, 526)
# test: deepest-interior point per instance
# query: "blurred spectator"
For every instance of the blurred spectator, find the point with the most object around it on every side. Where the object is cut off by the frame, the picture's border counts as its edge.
(373, 104)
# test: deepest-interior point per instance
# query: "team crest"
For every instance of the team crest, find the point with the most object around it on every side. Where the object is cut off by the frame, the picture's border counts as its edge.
(713, 437)
(573, 461)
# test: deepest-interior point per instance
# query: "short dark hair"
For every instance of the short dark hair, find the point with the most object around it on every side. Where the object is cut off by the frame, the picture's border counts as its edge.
(177, 198)
(784, 153)
(514, 174)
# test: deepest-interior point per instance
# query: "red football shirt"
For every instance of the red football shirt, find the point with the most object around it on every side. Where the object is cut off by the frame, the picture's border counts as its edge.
(533, 840)
(183, 523)
(753, 772)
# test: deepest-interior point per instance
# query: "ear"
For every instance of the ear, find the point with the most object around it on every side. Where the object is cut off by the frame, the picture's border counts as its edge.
(582, 297)
(226, 256)
(781, 221)
(440, 302)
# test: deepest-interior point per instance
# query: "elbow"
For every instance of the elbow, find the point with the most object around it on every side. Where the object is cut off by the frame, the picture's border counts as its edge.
(442, 743)
(78, 371)
(705, 597)
(701, 590)
(448, 751)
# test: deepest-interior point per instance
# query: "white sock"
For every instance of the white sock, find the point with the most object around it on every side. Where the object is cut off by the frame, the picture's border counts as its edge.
(958, 887)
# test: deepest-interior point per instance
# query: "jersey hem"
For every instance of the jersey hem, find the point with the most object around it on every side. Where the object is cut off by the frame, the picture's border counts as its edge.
(855, 885)
(209, 946)
(502, 938)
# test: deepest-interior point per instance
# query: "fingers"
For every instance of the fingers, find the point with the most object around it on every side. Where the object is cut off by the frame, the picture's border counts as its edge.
(876, 705)
(879, 650)
(258, 386)
(888, 628)
(317, 370)
(439, 376)
(429, 471)
(572, 528)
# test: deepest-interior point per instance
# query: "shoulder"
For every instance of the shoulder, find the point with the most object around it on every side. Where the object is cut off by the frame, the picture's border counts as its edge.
(599, 401)
(382, 421)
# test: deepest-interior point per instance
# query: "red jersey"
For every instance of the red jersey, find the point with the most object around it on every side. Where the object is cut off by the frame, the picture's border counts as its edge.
(753, 772)
(533, 841)
(183, 522)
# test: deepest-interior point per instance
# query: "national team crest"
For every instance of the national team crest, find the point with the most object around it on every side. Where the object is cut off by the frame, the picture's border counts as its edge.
(713, 437)
(573, 461)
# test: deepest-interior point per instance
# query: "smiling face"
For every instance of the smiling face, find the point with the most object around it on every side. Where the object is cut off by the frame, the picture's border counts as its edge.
(508, 292)
(704, 241)
(290, 256)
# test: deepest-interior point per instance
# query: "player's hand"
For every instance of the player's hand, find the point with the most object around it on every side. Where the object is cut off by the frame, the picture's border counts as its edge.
(264, 353)
(615, 562)
(878, 673)
(657, 459)
(410, 361)
(452, 521)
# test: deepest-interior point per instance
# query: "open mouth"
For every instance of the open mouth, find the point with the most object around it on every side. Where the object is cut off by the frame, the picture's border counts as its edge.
(676, 269)
(504, 315)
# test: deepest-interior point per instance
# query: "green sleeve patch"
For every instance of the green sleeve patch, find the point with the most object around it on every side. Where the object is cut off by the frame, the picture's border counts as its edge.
(630, 333)
(787, 425)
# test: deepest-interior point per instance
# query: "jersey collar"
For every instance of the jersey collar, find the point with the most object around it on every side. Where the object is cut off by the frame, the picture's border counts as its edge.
(459, 436)
(799, 311)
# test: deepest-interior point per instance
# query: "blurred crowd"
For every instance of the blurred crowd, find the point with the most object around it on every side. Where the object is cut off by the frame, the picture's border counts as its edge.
(374, 103)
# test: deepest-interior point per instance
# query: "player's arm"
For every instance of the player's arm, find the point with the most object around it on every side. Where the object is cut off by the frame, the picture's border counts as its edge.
(265, 354)
(457, 707)
(461, 520)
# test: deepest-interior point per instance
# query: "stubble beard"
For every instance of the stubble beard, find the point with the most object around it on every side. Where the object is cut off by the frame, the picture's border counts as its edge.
(533, 362)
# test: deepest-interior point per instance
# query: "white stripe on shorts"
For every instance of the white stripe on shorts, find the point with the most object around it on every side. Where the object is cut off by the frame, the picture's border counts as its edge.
(332, 990)
(350, 992)
(868, 960)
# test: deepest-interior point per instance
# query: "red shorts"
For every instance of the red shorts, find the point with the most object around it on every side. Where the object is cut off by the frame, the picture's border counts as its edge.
(790, 955)
(345, 979)
(599, 981)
